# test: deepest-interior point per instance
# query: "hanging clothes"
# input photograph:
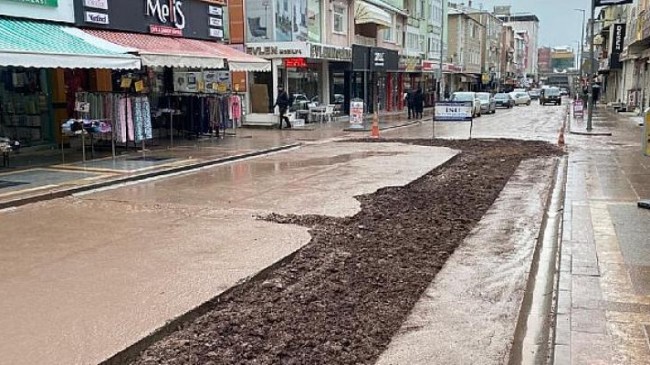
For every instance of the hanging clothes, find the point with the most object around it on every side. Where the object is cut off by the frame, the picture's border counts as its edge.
(235, 109)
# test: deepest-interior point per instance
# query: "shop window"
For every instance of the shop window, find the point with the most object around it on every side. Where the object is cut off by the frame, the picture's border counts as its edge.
(340, 19)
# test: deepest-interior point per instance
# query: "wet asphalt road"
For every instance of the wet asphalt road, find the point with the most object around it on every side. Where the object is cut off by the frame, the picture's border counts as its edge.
(86, 276)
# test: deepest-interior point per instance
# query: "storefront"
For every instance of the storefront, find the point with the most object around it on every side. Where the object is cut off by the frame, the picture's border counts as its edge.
(374, 76)
(187, 76)
(36, 61)
(312, 73)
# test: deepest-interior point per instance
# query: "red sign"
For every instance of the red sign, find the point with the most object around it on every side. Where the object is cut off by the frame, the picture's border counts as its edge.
(295, 62)
(163, 30)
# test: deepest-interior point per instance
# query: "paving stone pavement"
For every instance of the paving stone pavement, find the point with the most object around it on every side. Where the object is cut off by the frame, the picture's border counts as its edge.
(603, 301)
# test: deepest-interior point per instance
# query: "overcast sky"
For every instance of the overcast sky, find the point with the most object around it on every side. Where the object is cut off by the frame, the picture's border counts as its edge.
(559, 24)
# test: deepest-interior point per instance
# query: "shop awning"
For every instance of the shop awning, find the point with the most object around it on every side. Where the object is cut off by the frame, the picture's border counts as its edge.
(240, 61)
(366, 13)
(26, 43)
(182, 52)
(165, 51)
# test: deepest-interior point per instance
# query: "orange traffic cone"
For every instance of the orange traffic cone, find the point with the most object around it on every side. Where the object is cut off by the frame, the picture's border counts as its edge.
(560, 139)
(374, 132)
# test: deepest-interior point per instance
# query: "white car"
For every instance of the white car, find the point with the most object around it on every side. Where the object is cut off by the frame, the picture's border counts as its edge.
(468, 96)
(521, 98)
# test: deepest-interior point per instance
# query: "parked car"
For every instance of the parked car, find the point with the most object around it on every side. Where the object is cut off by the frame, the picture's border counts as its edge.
(504, 100)
(564, 91)
(468, 96)
(534, 94)
(488, 105)
(521, 98)
(552, 95)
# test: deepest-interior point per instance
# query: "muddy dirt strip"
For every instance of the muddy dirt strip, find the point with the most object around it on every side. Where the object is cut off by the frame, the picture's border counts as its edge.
(342, 297)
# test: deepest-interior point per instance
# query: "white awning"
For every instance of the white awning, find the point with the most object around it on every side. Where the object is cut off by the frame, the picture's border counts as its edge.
(34, 44)
(249, 66)
(366, 13)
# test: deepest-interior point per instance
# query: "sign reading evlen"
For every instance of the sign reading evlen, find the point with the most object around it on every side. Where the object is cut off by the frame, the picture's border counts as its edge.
(50, 3)
(612, 2)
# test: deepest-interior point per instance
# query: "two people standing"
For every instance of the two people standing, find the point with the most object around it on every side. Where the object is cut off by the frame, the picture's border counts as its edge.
(414, 103)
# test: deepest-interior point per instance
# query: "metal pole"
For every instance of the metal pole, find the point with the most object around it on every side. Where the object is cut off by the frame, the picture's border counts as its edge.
(442, 45)
(592, 68)
(582, 43)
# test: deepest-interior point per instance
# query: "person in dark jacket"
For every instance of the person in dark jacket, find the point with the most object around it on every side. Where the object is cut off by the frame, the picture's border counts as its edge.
(408, 100)
(282, 102)
(418, 103)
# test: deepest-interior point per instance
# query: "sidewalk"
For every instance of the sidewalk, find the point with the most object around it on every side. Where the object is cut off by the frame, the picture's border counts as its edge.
(39, 175)
(603, 292)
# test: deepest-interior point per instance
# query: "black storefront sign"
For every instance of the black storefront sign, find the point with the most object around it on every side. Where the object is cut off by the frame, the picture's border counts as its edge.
(180, 18)
(618, 39)
(382, 59)
(612, 2)
(374, 59)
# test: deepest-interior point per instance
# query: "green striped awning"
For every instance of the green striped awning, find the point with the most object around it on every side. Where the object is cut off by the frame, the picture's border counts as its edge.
(27, 43)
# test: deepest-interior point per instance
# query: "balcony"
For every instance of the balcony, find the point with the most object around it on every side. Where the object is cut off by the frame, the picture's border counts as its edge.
(365, 41)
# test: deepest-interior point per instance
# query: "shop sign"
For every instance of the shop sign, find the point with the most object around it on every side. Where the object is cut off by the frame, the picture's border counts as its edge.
(48, 3)
(97, 18)
(356, 114)
(166, 31)
(578, 109)
(383, 59)
(215, 10)
(189, 18)
(216, 33)
(451, 111)
(485, 78)
(171, 12)
(279, 49)
(410, 64)
(331, 52)
(96, 4)
(379, 59)
(296, 62)
(617, 44)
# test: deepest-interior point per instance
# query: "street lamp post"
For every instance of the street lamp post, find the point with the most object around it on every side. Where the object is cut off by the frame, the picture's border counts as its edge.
(590, 112)
(582, 42)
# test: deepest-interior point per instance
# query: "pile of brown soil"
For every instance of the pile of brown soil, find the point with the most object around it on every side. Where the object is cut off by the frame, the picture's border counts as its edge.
(342, 297)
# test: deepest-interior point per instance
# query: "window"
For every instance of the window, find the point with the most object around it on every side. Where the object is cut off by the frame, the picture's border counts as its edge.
(340, 19)
(390, 33)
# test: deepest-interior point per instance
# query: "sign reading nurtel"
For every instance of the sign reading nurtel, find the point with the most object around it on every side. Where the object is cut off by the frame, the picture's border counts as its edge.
(50, 3)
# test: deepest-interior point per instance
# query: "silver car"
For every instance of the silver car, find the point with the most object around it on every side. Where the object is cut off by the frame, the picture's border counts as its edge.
(468, 96)
(488, 104)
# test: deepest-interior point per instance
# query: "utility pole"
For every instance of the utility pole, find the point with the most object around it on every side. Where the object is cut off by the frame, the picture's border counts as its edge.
(442, 46)
(582, 43)
(590, 112)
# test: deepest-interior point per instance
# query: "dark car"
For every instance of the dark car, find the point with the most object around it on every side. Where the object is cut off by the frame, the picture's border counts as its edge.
(503, 100)
(550, 95)
(534, 94)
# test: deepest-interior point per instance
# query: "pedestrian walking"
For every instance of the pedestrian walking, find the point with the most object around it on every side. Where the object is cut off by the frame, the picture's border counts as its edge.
(418, 103)
(283, 102)
(408, 100)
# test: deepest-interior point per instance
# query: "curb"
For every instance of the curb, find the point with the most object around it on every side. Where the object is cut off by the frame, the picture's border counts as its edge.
(595, 134)
(384, 128)
(67, 192)
(540, 288)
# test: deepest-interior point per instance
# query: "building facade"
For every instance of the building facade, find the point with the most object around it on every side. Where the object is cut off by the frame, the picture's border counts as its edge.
(465, 50)
(528, 27)
(544, 59)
